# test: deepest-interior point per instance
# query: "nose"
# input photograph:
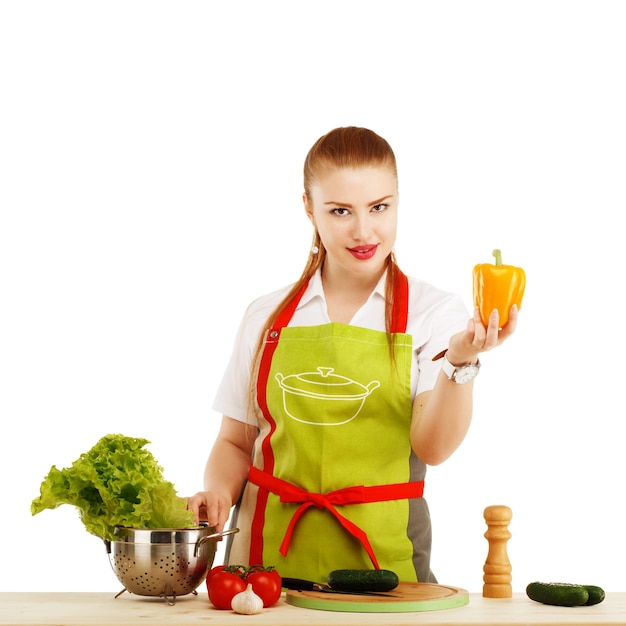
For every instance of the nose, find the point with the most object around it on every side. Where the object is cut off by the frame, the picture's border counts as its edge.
(362, 227)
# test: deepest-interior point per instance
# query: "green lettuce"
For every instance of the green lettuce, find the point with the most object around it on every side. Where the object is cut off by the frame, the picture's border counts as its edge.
(116, 483)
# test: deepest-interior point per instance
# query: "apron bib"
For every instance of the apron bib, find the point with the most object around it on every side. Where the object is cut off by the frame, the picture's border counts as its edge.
(334, 482)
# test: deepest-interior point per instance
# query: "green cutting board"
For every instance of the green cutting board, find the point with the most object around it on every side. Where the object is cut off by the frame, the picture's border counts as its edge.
(406, 597)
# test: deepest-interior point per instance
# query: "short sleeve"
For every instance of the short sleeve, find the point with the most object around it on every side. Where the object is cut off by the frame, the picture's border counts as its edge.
(434, 316)
(233, 394)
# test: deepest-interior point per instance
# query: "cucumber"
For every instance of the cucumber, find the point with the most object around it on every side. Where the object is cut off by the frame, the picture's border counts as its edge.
(596, 594)
(363, 580)
(559, 594)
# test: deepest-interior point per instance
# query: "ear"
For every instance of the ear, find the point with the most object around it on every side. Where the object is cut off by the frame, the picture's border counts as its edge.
(308, 209)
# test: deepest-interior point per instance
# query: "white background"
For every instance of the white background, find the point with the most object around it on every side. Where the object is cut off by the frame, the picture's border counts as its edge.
(150, 187)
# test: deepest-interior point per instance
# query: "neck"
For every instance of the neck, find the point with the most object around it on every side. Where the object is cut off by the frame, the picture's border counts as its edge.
(349, 284)
(346, 294)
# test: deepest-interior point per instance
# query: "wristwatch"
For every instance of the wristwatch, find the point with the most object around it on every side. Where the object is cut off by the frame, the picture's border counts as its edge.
(460, 374)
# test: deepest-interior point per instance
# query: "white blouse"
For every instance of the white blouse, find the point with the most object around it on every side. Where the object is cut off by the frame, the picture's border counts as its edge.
(434, 316)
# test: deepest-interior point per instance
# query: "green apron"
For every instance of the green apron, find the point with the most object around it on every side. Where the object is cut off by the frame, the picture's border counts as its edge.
(334, 482)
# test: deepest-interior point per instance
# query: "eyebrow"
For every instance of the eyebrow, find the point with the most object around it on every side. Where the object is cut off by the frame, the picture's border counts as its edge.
(349, 206)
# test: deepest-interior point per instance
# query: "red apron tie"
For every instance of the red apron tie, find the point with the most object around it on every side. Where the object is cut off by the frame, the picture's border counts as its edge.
(348, 495)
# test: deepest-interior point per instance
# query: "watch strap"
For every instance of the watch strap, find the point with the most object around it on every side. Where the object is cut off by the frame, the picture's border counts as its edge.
(450, 370)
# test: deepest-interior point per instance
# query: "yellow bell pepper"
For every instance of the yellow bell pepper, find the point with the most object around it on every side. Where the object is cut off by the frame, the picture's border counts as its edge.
(498, 287)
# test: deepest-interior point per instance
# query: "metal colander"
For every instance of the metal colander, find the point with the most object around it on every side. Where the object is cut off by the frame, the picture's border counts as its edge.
(164, 562)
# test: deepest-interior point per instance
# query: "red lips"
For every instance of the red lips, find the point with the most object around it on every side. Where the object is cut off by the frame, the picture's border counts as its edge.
(363, 252)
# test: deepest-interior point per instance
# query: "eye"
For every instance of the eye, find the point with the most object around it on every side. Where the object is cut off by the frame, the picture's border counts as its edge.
(340, 211)
(379, 208)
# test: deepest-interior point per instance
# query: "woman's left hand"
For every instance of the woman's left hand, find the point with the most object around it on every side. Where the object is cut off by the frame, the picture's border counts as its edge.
(464, 347)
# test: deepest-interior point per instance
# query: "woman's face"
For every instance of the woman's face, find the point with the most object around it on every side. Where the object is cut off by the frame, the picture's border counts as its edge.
(355, 211)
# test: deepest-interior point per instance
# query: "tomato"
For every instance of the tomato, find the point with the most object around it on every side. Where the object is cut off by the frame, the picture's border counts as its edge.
(223, 587)
(267, 584)
(224, 582)
(239, 570)
(214, 570)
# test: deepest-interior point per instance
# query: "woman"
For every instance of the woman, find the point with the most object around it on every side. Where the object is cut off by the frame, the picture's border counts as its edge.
(335, 398)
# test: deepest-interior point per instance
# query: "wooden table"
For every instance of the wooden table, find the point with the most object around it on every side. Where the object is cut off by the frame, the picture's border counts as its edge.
(103, 609)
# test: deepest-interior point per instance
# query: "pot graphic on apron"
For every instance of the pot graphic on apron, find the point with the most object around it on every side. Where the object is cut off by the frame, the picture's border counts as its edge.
(325, 398)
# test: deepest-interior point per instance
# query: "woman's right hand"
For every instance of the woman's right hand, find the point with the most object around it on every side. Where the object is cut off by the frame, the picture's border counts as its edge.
(225, 473)
(210, 507)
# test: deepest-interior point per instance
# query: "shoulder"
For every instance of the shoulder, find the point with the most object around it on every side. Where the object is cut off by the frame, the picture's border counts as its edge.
(262, 307)
(253, 320)
(434, 316)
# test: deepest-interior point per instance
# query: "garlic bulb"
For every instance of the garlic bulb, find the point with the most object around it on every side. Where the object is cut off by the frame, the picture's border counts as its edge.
(247, 602)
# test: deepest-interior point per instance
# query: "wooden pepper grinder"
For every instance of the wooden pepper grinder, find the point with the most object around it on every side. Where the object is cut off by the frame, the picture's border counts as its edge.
(497, 568)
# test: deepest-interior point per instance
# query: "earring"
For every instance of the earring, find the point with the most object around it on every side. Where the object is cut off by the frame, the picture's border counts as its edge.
(315, 249)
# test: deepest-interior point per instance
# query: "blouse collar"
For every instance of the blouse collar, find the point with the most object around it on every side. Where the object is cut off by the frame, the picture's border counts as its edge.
(316, 289)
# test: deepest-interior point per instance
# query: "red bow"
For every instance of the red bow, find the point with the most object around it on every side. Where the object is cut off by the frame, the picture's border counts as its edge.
(348, 495)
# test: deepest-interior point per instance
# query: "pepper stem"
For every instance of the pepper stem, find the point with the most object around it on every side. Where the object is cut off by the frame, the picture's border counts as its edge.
(498, 254)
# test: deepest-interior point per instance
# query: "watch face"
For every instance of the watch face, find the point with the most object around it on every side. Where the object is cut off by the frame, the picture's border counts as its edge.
(465, 374)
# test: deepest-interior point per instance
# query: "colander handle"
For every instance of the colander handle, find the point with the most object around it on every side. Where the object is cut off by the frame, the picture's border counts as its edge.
(202, 540)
